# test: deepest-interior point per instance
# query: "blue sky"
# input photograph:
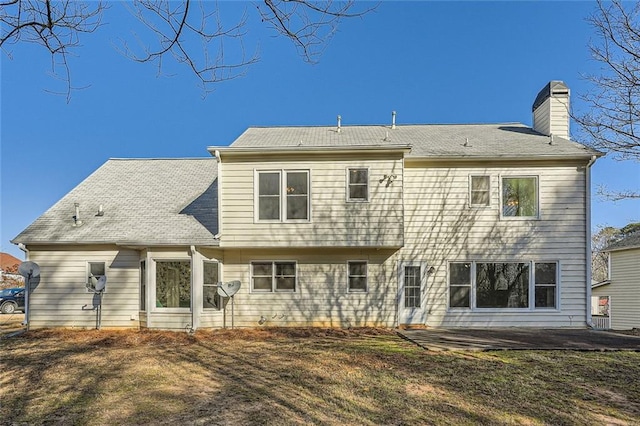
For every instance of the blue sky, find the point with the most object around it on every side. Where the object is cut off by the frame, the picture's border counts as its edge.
(444, 62)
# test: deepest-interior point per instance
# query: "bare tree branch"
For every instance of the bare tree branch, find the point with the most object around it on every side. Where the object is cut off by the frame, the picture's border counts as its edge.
(612, 123)
(193, 36)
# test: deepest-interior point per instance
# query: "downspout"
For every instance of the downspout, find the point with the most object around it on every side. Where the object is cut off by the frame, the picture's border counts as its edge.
(219, 160)
(588, 235)
(27, 287)
(194, 268)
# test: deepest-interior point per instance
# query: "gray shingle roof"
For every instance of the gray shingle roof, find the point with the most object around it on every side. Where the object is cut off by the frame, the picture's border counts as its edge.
(510, 140)
(628, 242)
(145, 201)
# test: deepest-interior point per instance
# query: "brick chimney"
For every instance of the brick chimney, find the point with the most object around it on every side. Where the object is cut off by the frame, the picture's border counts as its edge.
(551, 110)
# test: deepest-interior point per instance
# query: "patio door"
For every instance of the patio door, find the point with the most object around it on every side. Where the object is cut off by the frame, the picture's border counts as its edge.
(411, 293)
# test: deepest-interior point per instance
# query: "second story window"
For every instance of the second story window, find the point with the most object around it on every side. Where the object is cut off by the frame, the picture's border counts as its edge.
(479, 191)
(520, 196)
(282, 195)
(358, 184)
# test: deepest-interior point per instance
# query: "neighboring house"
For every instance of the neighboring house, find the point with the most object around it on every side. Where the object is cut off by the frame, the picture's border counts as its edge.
(479, 225)
(621, 292)
(9, 276)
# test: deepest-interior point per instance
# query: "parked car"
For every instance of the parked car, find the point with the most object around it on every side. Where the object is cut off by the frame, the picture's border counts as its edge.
(11, 300)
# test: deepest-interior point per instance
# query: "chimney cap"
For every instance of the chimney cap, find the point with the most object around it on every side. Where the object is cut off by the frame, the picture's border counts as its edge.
(554, 87)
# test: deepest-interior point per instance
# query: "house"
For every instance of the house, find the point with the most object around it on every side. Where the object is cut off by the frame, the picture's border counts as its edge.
(9, 276)
(465, 225)
(620, 294)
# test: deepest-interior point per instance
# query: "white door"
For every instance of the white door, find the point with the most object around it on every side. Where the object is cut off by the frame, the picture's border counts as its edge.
(411, 293)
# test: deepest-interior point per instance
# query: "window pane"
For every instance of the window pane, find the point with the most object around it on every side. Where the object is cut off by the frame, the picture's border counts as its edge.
(479, 183)
(459, 296)
(210, 299)
(210, 273)
(545, 296)
(480, 198)
(269, 208)
(297, 183)
(285, 269)
(460, 273)
(269, 183)
(358, 192)
(96, 268)
(262, 283)
(358, 176)
(519, 197)
(502, 285)
(357, 283)
(358, 268)
(297, 207)
(545, 273)
(173, 284)
(143, 285)
(262, 268)
(285, 283)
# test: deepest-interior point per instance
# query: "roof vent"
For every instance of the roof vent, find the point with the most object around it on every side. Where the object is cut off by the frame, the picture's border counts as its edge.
(76, 218)
(339, 123)
(100, 211)
(466, 142)
(551, 141)
(393, 119)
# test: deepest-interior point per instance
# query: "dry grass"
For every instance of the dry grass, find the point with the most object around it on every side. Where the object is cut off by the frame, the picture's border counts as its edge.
(302, 376)
(11, 323)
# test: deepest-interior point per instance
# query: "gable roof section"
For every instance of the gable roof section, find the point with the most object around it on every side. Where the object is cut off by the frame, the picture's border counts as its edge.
(145, 201)
(463, 141)
(631, 241)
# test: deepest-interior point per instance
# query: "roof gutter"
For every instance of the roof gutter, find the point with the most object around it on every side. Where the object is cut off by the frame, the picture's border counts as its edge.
(588, 156)
(246, 151)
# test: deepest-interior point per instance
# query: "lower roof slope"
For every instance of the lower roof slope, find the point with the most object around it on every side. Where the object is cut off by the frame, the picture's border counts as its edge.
(145, 202)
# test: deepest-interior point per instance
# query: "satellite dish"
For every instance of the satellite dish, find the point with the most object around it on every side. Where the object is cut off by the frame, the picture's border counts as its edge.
(228, 289)
(102, 281)
(29, 269)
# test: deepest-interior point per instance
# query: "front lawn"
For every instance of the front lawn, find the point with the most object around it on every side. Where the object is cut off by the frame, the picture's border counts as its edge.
(303, 376)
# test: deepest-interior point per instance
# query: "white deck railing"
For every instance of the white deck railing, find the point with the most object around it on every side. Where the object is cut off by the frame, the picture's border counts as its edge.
(601, 322)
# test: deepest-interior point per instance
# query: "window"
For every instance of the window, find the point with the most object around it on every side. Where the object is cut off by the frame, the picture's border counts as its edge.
(210, 297)
(480, 191)
(357, 280)
(273, 276)
(173, 283)
(546, 279)
(412, 287)
(357, 185)
(95, 270)
(503, 285)
(460, 285)
(271, 185)
(143, 285)
(520, 197)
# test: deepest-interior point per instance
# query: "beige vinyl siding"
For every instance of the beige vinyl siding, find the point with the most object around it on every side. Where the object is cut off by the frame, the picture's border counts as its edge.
(541, 117)
(321, 297)
(58, 298)
(334, 221)
(441, 227)
(624, 289)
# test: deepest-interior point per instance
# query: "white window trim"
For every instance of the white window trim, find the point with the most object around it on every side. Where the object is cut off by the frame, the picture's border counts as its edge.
(154, 299)
(516, 176)
(471, 205)
(283, 196)
(273, 273)
(88, 271)
(532, 288)
(366, 290)
(357, 200)
(219, 264)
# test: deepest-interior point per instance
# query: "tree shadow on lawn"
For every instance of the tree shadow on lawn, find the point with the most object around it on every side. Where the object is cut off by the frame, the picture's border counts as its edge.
(302, 376)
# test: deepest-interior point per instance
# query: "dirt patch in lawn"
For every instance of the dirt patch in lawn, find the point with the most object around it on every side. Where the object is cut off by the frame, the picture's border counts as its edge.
(302, 376)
